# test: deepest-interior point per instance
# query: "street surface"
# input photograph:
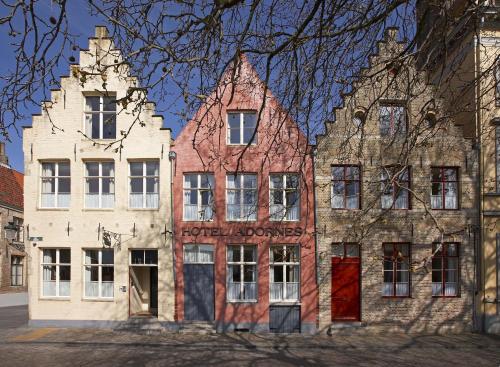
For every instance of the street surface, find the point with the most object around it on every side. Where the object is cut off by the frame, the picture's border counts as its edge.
(24, 346)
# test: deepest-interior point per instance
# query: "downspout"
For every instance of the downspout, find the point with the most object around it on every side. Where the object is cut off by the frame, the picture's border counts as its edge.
(316, 252)
(480, 283)
(173, 161)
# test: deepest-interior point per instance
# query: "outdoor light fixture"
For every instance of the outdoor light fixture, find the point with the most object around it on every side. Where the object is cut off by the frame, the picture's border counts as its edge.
(172, 155)
(11, 230)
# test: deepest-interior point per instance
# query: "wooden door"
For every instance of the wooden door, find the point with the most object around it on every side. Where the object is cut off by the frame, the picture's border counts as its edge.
(346, 289)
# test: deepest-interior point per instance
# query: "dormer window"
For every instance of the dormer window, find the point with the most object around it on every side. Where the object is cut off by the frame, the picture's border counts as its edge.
(241, 127)
(100, 117)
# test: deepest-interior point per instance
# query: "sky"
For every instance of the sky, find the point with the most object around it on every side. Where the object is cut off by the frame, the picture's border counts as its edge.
(82, 24)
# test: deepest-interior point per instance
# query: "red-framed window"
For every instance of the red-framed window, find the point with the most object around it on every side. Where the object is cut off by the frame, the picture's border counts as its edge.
(346, 187)
(444, 188)
(395, 183)
(445, 270)
(392, 120)
(397, 278)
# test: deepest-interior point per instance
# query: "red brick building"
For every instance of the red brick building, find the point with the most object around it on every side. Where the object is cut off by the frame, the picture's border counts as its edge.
(244, 213)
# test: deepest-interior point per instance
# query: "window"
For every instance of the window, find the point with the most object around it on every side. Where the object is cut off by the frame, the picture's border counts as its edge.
(284, 196)
(18, 222)
(242, 273)
(144, 182)
(198, 197)
(143, 257)
(346, 184)
(396, 270)
(348, 249)
(392, 120)
(100, 117)
(241, 127)
(284, 273)
(56, 270)
(16, 271)
(99, 184)
(99, 273)
(56, 185)
(198, 254)
(395, 182)
(241, 197)
(444, 190)
(445, 265)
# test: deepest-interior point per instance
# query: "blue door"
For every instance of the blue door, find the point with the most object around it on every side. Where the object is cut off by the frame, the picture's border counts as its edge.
(199, 290)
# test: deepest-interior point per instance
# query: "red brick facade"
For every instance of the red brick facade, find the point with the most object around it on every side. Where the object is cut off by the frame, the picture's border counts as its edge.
(281, 148)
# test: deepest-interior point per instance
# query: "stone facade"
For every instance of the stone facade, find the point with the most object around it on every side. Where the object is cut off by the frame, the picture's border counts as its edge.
(64, 134)
(431, 140)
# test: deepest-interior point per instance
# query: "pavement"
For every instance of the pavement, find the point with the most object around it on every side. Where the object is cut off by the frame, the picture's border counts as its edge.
(13, 299)
(21, 345)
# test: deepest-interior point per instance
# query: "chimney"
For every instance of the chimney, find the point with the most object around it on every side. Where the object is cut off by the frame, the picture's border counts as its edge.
(4, 160)
(101, 31)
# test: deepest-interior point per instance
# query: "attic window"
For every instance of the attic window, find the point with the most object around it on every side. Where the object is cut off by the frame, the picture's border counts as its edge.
(241, 127)
(430, 119)
(359, 118)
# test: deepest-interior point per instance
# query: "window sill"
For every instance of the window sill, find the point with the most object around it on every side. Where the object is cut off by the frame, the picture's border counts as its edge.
(492, 194)
(236, 145)
(143, 209)
(242, 301)
(285, 303)
(241, 220)
(98, 299)
(197, 221)
(98, 209)
(284, 220)
(458, 296)
(53, 209)
(396, 297)
(65, 299)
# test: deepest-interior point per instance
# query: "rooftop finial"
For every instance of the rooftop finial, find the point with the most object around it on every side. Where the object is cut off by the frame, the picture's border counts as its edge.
(101, 31)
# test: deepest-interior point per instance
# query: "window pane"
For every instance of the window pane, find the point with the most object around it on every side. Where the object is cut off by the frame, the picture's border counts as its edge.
(152, 168)
(137, 256)
(109, 103)
(277, 254)
(436, 174)
(108, 274)
(338, 172)
(108, 186)
(49, 256)
(136, 169)
(152, 185)
(249, 181)
(190, 181)
(65, 256)
(277, 274)
(91, 257)
(109, 126)
(48, 170)
(92, 186)
(352, 173)
(108, 169)
(92, 103)
(233, 253)
(136, 185)
(250, 272)
(64, 185)
(292, 254)
(235, 272)
(234, 120)
(292, 273)
(95, 125)
(108, 256)
(64, 273)
(249, 254)
(450, 174)
(151, 257)
(276, 182)
(452, 249)
(92, 169)
(352, 250)
(64, 169)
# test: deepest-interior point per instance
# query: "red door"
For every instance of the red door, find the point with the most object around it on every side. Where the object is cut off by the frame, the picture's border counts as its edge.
(345, 289)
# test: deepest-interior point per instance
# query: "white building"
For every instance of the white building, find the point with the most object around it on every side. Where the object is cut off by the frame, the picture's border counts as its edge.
(97, 219)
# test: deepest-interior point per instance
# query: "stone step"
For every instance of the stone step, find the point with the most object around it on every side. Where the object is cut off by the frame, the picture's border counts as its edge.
(142, 325)
(197, 327)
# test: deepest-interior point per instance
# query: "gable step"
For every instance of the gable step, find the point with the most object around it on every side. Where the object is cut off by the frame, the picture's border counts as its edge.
(197, 327)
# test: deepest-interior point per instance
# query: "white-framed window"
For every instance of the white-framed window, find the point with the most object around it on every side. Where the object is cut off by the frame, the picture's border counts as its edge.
(16, 271)
(198, 254)
(55, 185)
(56, 272)
(98, 266)
(100, 117)
(284, 197)
(241, 197)
(144, 257)
(242, 273)
(18, 223)
(241, 127)
(144, 178)
(198, 197)
(284, 275)
(99, 184)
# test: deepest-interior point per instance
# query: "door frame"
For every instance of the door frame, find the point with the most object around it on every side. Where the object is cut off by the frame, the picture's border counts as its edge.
(130, 265)
(359, 262)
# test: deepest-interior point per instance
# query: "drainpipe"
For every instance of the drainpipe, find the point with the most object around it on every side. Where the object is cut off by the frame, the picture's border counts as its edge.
(172, 158)
(316, 252)
(480, 283)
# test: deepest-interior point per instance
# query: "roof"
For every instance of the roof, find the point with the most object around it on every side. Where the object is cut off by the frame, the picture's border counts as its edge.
(11, 187)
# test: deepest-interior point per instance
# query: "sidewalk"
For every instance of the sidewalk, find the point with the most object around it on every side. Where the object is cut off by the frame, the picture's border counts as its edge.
(13, 299)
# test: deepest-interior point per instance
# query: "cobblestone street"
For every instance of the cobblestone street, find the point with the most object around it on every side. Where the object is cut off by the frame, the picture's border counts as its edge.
(24, 346)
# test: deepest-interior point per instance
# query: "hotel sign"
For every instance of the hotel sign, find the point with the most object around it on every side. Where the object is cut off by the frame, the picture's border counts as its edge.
(243, 231)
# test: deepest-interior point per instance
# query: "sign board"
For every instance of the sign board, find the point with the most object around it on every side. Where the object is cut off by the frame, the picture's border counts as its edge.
(35, 239)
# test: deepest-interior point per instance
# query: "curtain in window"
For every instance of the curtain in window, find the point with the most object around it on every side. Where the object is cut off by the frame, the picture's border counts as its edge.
(450, 195)
(233, 207)
(48, 185)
